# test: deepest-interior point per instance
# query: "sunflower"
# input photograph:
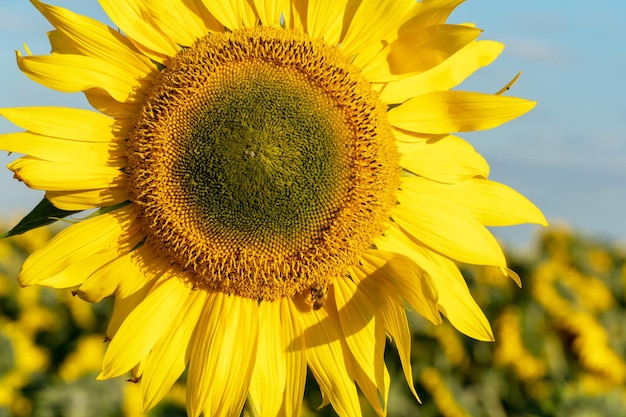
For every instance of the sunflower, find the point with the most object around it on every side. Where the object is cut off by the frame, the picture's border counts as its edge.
(270, 183)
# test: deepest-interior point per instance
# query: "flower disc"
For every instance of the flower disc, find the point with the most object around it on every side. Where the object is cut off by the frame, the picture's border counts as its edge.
(262, 163)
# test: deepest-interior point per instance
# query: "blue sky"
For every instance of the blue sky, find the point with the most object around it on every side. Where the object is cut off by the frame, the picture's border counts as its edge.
(568, 155)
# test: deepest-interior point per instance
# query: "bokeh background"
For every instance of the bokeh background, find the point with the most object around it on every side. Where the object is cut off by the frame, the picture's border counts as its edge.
(561, 339)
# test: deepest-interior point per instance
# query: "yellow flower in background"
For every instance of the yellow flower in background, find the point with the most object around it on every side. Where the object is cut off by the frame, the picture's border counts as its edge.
(271, 179)
(21, 359)
(83, 360)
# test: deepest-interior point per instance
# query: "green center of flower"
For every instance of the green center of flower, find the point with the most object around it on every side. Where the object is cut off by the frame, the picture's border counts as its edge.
(265, 158)
(262, 163)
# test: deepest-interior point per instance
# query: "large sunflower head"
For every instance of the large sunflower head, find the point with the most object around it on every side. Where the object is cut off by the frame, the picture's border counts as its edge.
(272, 182)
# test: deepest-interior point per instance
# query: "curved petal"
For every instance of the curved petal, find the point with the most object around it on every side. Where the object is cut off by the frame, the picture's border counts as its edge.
(103, 102)
(448, 229)
(235, 14)
(166, 361)
(491, 203)
(222, 353)
(271, 11)
(449, 159)
(66, 123)
(364, 40)
(89, 37)
(63, 176)
(268, 381)
(112, 154)
(407, 277)
(331, 367)
(456, 111)
(103, 282)
(495, 204)
(325, 20)
(76, 243)
(431, 13)
(135, 20)
(391, 310)
(454, 297)
(419, 50)
(143, 268)
(76, 73)
(78, 272)
(144, 326)
(183, 21)
(87, 199)
(365, 336)
(444, 76)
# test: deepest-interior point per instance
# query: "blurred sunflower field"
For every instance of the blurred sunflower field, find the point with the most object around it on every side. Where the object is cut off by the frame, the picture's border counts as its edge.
(559, 350)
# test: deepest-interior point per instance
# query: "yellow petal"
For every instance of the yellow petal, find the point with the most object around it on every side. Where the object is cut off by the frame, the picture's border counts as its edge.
(296, 18)
(144, 267)
(86, 36)
(144, 326)
(76, 73)
(122, 308)
(268, 381)
(459, 306)
(332, 369)
(454, 299)
(444, 76)
(397, 325)
(407, 277)
(103, 282)
(495, 204)
(270, 11)
(166, 361)
(364, 39)
(75, 243)
(67, 123)
(87, 199)
(419, 50)
(51, 149)
(491, 203)
(234, 14)
(104, 103)
(222, 354)
(136, 21)
(365, 336)
(77, 272)
(447, 228)
(184, 21)
(391, 311)
(456, 111)
(56, 176)
(449, 159)
(432, 13)
(293, 340)
(325, 20)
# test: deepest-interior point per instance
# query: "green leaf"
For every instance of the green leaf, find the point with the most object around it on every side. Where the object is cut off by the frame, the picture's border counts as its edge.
(43, 214)
(108, 209)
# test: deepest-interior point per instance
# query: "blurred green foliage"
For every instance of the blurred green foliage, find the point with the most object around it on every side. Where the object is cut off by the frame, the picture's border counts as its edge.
(559, 350)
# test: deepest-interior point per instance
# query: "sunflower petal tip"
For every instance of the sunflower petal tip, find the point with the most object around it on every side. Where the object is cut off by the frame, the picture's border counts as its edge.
(513, 275)
(26, 280)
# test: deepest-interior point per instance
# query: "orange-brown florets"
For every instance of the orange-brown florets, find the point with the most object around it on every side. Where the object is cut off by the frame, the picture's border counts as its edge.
(262, 163)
